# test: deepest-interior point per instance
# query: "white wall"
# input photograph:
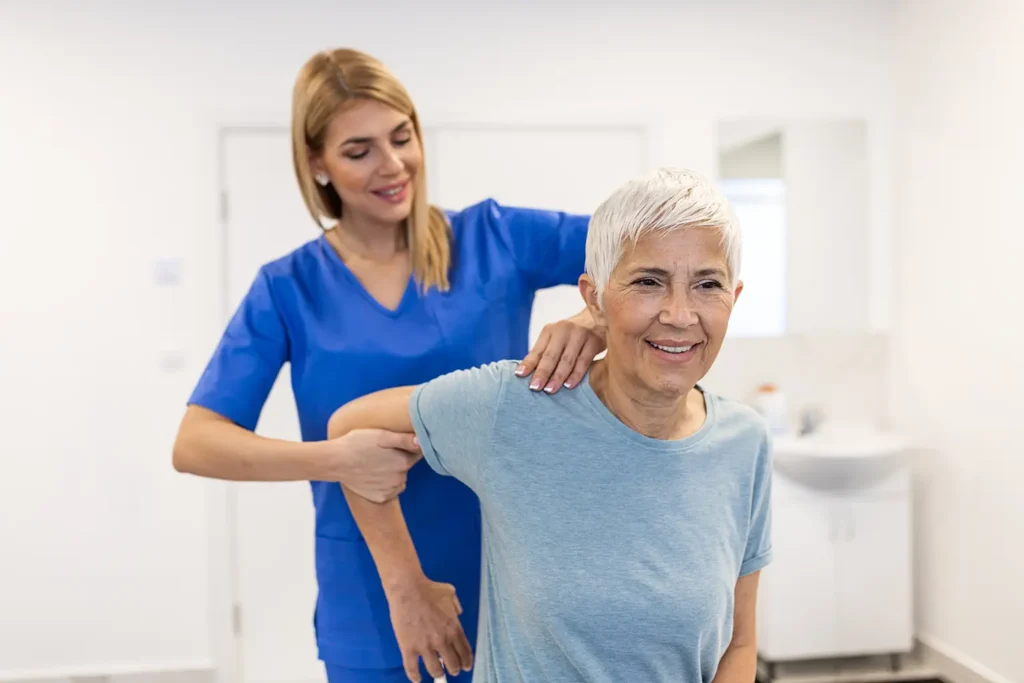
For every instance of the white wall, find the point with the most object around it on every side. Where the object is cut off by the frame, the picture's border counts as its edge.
(109, 162)
(761, 158)
(957, 355)
(828, 202)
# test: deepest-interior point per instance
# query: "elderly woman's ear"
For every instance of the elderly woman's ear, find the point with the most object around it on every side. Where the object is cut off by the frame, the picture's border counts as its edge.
(588, 290)
(736, 289)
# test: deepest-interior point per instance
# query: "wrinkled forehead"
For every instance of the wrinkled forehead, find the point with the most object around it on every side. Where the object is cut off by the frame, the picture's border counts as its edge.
(685, 249)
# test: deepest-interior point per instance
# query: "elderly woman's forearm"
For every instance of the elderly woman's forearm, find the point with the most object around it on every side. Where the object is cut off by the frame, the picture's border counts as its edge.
(381, 524)
(738, 665)
(387, 537)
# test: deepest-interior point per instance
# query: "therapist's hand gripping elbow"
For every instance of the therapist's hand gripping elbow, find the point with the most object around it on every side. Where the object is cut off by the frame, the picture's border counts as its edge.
(377, 463)
(370, 462)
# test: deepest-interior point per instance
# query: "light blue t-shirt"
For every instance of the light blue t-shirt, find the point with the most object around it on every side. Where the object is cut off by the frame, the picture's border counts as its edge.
(608, 556)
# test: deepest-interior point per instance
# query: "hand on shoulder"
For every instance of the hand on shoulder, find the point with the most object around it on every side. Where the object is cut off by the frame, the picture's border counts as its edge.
(563, 353)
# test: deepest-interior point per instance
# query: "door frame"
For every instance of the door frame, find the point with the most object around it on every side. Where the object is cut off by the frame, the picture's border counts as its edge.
(222, 496)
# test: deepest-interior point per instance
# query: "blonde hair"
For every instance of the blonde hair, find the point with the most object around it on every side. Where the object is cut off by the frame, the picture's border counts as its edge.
(328, 82)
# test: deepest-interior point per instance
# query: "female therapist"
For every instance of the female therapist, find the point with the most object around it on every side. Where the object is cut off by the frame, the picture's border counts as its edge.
(397, 292)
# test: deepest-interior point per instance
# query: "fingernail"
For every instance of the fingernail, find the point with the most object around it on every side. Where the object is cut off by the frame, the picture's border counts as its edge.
(535, 385)
(416, 441)
(548, 389)
(567, 385)
(520, 370)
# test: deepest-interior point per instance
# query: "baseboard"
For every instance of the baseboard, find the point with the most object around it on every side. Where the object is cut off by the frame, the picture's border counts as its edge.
(953, 665)
(178, 672)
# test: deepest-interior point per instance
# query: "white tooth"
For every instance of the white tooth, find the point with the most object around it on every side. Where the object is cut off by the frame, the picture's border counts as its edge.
(673, 349)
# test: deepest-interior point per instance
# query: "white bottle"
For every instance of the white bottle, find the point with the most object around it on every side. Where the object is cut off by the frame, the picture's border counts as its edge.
(771, 403)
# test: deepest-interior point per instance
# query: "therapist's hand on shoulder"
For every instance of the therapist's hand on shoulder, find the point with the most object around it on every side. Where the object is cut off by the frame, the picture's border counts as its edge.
(425, 617)
(372, 462)
(563, 353)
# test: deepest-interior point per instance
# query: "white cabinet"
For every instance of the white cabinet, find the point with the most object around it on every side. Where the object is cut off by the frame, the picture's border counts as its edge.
(797, 596)
(874, 585)
(840, 584)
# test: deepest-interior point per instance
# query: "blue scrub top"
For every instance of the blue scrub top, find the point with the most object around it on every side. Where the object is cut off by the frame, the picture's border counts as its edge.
(308, 309)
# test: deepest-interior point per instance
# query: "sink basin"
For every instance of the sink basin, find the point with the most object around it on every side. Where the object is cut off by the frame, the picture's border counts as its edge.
(839, 456)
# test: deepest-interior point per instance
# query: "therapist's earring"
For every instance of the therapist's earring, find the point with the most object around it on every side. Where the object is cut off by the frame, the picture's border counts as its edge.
(322, 179)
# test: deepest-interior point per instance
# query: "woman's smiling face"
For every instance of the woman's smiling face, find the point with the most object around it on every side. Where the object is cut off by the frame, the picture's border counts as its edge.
(666, 309)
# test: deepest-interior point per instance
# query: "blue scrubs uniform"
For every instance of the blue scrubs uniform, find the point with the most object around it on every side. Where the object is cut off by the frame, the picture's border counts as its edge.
(309, 310)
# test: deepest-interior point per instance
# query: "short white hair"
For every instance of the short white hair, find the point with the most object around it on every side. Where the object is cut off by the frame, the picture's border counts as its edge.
(664, 200)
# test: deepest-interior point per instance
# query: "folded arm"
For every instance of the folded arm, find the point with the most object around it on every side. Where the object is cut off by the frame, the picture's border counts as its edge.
(424, 614)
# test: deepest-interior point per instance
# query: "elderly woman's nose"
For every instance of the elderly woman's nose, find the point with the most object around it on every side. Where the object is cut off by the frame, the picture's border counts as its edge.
(678, 309)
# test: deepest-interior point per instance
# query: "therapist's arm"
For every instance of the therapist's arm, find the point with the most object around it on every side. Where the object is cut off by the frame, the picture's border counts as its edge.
(424, 613)
(548, 249)
(739, 663)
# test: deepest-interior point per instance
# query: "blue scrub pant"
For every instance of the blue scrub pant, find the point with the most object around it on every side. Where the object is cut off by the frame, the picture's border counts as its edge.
(341, 674)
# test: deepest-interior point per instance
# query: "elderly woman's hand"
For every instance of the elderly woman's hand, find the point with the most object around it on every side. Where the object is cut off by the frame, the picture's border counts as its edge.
(425, 616)
(562, 354)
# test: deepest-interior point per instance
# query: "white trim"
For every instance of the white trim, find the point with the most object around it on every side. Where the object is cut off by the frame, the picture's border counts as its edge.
(222, 495)
(954, 665)
(583, 119)
(223, 585)
(117, 669)
(223, 652)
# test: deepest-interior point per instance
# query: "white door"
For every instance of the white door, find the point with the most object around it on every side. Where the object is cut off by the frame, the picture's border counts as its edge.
(546, 167)
(275, 584)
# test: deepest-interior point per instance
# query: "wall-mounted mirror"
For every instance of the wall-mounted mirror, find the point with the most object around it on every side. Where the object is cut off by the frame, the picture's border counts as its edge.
(802, 190)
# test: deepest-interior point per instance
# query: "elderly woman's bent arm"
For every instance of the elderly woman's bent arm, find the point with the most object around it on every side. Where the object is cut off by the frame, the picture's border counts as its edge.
(424, 613)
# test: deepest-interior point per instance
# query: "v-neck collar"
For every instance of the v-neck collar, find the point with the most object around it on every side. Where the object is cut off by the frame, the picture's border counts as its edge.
(407, 296)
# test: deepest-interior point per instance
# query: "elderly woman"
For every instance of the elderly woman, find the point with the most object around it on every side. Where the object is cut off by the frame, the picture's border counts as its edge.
(625, 523)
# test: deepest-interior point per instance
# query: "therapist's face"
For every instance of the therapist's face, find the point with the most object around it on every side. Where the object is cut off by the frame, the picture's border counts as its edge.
(372, 156)
(666, 310)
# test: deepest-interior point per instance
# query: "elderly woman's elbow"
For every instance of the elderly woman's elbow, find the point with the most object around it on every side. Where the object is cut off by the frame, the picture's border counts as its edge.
(339, 424)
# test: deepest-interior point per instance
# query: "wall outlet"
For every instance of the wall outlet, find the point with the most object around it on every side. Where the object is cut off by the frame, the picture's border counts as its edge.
(167, 272)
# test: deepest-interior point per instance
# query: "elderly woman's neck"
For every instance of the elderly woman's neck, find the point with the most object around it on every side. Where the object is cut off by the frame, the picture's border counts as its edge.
(654, 414)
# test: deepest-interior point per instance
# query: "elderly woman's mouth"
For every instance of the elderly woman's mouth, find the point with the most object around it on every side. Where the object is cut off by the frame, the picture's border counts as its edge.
(674, 350)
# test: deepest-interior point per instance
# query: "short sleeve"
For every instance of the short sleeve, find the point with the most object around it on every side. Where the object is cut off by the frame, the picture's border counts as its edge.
(244, 366)
(758, 552)
(453, 417)
(548, 247)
